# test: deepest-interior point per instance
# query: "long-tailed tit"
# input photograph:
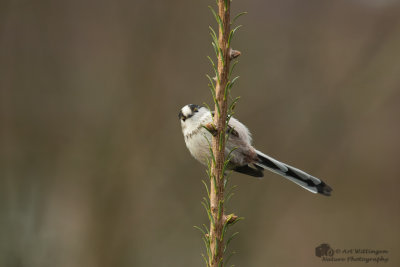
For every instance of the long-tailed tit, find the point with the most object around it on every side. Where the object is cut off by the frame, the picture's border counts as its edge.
(244, 158)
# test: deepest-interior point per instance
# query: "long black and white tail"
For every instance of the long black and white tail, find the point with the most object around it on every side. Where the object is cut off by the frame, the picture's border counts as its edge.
(295, 175)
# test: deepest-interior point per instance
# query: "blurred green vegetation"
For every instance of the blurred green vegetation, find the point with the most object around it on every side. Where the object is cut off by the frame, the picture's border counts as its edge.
(93, 166)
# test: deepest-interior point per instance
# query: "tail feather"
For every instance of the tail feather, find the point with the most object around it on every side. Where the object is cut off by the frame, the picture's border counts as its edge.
(295, 175)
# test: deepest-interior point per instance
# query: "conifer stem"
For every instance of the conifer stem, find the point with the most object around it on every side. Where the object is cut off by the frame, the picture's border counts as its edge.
(218, 141)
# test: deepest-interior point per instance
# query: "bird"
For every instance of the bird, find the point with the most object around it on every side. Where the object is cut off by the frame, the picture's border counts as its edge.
(197, 121)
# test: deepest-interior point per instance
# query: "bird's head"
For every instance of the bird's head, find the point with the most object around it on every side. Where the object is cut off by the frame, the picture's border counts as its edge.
(190, 115)
(188, 111)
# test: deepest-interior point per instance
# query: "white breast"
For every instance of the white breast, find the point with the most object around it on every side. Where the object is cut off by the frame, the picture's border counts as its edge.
(198, 140)
(198, 145)
(196, 136)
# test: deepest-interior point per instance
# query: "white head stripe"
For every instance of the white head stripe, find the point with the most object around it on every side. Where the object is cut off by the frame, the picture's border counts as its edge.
(186, 111)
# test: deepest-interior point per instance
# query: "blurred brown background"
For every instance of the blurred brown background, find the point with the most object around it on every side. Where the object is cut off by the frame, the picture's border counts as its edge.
(94, 170)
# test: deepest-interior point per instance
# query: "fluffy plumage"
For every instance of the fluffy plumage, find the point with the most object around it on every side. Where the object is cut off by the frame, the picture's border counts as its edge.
(245, 158)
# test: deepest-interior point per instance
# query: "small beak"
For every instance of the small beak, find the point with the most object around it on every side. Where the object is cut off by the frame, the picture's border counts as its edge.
(181, 116)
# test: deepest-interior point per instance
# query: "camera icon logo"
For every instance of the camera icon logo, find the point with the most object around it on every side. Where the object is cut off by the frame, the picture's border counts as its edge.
(324, 250)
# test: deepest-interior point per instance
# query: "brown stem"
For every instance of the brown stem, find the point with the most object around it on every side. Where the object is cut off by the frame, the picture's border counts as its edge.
(218, 141)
